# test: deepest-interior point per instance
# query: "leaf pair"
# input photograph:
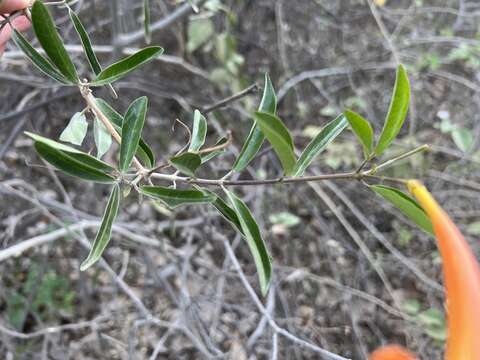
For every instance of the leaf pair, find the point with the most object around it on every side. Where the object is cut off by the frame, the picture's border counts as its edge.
(395, 118)
(144, 152)
(268, 125)
(60, 66)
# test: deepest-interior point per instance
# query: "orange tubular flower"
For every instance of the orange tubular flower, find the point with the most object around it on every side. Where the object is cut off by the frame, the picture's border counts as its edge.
(461, 273)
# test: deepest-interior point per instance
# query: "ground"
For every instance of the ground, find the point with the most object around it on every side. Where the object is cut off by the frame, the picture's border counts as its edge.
(350, 272)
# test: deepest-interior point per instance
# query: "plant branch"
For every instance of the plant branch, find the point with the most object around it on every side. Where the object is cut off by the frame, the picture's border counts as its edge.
(245, 92)
(280, 180)
(353, 175)
(392, 161)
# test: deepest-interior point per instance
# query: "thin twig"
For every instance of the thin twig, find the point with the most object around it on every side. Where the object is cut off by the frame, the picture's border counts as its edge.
(254, 88)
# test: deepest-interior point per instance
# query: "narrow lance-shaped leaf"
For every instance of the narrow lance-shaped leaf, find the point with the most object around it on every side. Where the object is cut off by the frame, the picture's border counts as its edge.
(37, 59)
(51, 42)
(397, 111)
(104, 233)
(132, 131)
(144, 151)
(362, 130)
(186, 163)
(227, 212)
(176, 197)
(319, 143)
(199, 131)
(406, 205)
(76, 129)
(254, 240)
(146, 21)
(86, 43)
(255, 138)
(73, 165)
(87, 47)
(127, 65)
(73, 153)
(280, 139)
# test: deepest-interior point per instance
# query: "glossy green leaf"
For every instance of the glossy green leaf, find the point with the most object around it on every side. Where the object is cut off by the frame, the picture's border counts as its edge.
(76, 129)
(280, 139)
(227, 212)
(397, 111)
(144, 152)
(71, 165)
(319, 143)
(146, 21)
(176, 197)
(37, 59)
(186, 163)
(362, 130)
(199, 131)
(127, 65)
(254, 240)
(132, 131)
(255, 138)
(103, 139)
(73, 153)
(407, 205)
(86, 43)
(51, 42)
(104, 233)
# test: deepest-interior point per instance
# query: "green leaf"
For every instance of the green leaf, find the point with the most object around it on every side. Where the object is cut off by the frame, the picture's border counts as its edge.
(407, 205)
(51, 42)
(103, 139)
(104, 233)
(37, 59)
(280, 139)
(186, 163)
(463, 138)
(255, 138)
(71, 165)
(254, 240)
(362, 130)
(227, 212)
(319, 143)
(146, 21)
(127, 65)
(132, 131)
(176, 197)
(73, 153)
(199, 32)
(76, 129)
(397, 111)
(199, 131)
(86, 43)
(144, 152)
